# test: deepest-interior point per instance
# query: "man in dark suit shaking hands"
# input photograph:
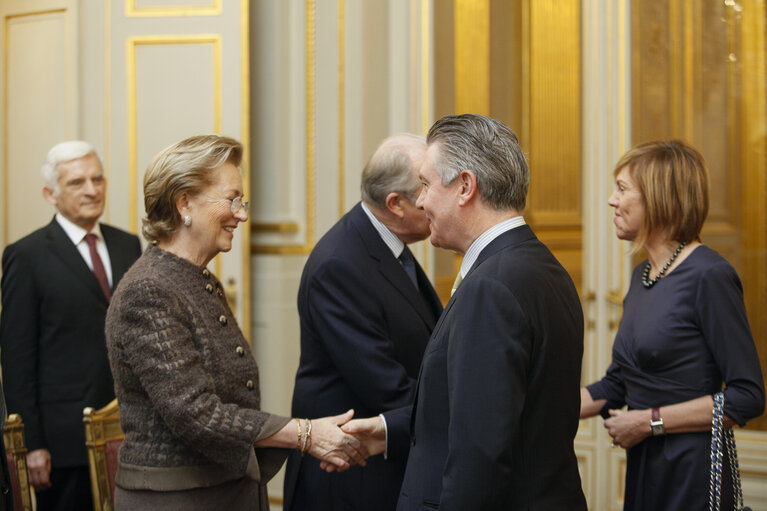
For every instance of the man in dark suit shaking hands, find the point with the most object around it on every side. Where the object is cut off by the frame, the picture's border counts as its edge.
(497, 402)
(56, 287)
(366, 310)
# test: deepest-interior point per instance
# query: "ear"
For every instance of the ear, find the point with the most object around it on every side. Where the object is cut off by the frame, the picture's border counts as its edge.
(467, 187)
(49, 195)
(394, 204)
(182, 204)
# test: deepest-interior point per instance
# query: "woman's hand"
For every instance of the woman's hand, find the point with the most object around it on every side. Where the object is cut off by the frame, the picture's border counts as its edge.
(628, 427)
(337, 450)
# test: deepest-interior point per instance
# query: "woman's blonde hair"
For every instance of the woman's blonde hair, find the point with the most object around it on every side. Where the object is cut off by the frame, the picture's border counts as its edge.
(673, 179)
(184, 167)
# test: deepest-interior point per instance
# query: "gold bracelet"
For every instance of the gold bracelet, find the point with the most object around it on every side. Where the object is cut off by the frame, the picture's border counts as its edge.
(308, 437)
(298, 425)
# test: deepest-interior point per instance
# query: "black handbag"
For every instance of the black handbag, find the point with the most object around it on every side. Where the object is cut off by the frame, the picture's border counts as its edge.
(721, 439)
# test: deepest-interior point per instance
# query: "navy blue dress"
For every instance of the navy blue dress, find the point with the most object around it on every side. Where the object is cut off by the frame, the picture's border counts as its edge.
(677, 341)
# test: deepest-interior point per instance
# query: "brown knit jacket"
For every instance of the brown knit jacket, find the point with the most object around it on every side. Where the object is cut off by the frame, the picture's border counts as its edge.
(185, 379)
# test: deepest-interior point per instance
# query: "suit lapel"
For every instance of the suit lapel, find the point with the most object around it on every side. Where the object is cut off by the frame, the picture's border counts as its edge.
(62, 247)
(120, 256)
(506, 240)
(389, 267)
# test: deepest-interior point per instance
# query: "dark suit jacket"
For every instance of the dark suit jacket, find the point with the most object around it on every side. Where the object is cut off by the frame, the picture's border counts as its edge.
(54, 356)
(364, 327)
(498, 397)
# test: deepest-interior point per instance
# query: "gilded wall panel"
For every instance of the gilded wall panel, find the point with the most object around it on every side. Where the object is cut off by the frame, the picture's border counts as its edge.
(170, 8)
(189, 69)
(39, 111)
(699, 76)
(551, 124)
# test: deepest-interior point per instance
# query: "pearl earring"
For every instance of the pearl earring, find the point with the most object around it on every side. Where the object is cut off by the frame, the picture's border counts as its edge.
(187, 220)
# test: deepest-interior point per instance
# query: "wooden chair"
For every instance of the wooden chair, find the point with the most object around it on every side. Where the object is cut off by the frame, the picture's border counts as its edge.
(103, 437)
(16, 452)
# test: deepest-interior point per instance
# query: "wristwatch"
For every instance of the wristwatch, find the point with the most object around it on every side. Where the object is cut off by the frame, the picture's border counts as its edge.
(656, 423)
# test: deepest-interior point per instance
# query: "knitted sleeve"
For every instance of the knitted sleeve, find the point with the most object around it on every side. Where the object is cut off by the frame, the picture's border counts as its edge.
(156, 337)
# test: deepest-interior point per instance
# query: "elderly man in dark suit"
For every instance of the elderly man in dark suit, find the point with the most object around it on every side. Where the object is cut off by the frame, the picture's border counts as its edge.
(367, 310)
(56, 287)
(496, 410)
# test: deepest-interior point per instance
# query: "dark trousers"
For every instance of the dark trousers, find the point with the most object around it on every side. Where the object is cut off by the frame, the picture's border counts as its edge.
(70, 491)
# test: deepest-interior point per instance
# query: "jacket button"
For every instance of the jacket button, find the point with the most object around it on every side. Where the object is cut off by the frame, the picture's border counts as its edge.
(5, 490)
(249, 385)
(206, 273)
(240, 351)
(209, 288)
(222, 320)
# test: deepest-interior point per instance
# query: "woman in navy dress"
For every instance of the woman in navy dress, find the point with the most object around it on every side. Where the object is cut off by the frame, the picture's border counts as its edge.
(684, 333)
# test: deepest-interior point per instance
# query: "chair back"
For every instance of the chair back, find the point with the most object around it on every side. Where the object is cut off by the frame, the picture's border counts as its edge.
(103, 437)
(16, 452)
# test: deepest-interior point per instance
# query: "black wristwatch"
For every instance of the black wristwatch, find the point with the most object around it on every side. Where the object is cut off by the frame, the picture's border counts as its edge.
(656, 423)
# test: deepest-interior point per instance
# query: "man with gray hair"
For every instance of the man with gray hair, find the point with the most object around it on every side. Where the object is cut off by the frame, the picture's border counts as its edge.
(498, 396)
(367, 310)
(56, 287)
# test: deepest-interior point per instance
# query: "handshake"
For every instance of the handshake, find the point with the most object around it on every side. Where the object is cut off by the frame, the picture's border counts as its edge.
(340, 442)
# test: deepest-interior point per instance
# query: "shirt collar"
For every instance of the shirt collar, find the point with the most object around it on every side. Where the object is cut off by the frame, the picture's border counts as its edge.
(485, 239)
(74, 231)
(395, 244)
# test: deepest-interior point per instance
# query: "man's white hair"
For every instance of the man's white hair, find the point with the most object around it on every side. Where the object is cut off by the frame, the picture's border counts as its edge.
(62, 153)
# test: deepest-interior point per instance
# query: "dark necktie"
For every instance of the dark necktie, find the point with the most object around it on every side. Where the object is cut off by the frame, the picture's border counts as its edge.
(408, 263)
(98, 266)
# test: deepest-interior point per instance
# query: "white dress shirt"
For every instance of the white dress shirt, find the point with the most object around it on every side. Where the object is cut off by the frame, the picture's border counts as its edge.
(77, 235)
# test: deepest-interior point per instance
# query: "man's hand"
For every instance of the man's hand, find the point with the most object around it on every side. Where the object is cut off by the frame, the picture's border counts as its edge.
(39, 468)
(371, 433)
(335, 449)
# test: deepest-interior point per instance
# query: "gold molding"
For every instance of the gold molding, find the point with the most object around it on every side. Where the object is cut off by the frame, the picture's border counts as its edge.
(132, 101)
(341, 107)
(675, 48)
(754, 182)
(623, 137)
(6, 46)
(107, 158)
(425, 68)
(132, 11)
(310, 120)
(310, 150)
(425, 99)
(275, 227)
(245, 130)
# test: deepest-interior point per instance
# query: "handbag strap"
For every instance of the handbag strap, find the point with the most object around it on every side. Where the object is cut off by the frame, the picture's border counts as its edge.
(715, 484)
(719, 436)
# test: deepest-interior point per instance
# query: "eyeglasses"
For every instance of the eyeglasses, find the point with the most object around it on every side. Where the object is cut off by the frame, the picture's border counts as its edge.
(238, 203)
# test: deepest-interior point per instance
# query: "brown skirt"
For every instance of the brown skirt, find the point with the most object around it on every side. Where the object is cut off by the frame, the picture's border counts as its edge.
(239, 495)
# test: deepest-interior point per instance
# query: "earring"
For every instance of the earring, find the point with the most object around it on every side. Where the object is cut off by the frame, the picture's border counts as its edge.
(187, 220)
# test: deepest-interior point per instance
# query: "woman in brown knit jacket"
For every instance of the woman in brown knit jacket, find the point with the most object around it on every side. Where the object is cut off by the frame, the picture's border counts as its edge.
(185, 378)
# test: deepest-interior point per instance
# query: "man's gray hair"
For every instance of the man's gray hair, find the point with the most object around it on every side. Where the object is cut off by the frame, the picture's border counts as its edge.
(390, 169)
(489, 150)
(62, 153)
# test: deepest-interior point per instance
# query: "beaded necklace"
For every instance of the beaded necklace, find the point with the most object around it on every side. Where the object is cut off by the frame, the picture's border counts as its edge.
(646, 273)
